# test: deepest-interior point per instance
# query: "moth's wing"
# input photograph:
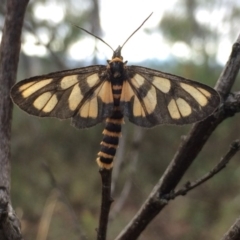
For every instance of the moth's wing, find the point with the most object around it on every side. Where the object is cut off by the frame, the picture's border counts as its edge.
(82, 94)
(151, 97)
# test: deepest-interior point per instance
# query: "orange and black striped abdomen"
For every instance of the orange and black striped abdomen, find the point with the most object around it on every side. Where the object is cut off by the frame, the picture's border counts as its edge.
(109, 144)
(112, 130)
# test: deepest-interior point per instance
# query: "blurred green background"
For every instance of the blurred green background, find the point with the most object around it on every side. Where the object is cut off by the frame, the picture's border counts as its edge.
(197, 34)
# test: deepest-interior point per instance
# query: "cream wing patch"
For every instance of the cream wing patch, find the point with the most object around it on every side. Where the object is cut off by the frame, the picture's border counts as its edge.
(179, 108)
(105, 92)
(127, 92)
(137, 108)
(75, 97)
(183, 107)
(68, 81)
(51, 104)
(137, 80)
(150, 100)
(163, 84)
(205, 92)
(173, 110)
(195, 93)
(89, 109)
(30, 89)
(42, 100)
(25, 86)
(92, 79)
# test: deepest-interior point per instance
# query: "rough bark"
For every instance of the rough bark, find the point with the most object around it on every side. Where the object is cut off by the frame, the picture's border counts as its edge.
(9, 55)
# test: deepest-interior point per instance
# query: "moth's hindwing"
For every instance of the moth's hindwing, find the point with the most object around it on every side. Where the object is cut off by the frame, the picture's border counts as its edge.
(81, 94)
(151, 97)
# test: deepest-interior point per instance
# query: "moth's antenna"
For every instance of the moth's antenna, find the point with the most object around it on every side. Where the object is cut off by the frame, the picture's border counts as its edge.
(137, 29)
(93, 35)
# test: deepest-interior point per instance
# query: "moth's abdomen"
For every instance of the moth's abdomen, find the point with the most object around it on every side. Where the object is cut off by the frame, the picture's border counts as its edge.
(109, 144)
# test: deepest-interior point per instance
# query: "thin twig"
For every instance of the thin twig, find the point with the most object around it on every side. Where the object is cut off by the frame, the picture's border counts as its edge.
(234, 148)
(66, 201)
(106, 202)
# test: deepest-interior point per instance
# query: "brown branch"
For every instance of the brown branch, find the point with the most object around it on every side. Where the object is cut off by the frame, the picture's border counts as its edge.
(234, 148)
(9, 55)
(185, 155)
(229, 73)
(232, 104)
(106, 202)
(234, 232)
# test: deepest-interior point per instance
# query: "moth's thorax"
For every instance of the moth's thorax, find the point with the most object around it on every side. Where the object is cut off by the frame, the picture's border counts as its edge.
(116, 67)
(116, 71)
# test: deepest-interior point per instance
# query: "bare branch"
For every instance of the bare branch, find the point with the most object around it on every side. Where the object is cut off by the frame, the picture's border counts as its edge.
(106, 203)
(232, 104)
(234, 147)
(229, 74)
(234, 232)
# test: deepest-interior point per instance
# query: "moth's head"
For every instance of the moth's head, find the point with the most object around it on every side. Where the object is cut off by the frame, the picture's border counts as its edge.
(117, 57)
(116, 64)
(117, 53)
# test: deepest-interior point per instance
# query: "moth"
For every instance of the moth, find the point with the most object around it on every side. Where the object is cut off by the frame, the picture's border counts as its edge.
(98, 93)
